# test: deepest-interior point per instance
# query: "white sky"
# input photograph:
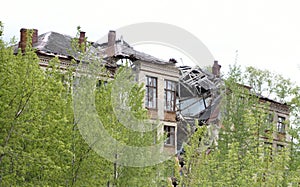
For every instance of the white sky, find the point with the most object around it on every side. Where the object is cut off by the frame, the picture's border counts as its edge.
(266, 33)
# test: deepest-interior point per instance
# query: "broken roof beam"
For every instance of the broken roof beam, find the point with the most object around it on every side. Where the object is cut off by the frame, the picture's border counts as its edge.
(206, 83)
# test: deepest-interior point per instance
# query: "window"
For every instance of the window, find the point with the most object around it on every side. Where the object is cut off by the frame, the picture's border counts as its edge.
(269, 122)
(76, 81)
(280, 124)
(170, 88)
(170, 133)
(279, 147)
(268, 150)
(270, 118)
(100, 83)
(151, 92)
(194, 105)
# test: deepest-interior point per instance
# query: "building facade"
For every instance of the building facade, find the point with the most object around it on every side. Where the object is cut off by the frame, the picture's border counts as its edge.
(160, 77)
(277, 117)
(175, 96)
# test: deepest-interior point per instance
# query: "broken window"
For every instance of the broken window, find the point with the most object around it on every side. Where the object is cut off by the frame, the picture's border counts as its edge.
(193, 106)
(280, 124)
(170, 89)
(151, 92)
(170, 133)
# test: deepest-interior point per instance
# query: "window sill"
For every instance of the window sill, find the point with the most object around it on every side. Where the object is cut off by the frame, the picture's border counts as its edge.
(153, 109)
(171, 112)
(170, 116)
(282, 133)
(169, 145)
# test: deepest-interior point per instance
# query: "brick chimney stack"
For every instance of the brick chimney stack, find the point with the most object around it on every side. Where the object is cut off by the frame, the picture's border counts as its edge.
(216, 69)
(111, 43)
(82, 40)
(23, 38)
(34, 36)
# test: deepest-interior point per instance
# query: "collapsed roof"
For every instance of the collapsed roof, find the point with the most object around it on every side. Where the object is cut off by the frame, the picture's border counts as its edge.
(198, 100)
(196, 87)
(197, 90)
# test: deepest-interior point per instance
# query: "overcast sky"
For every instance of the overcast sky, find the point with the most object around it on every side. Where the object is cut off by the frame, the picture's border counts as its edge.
(266, 33)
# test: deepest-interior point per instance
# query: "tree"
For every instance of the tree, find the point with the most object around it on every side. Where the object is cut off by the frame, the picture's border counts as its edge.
(41, 143)
(131, 97)
(31, 110)
(240, 157)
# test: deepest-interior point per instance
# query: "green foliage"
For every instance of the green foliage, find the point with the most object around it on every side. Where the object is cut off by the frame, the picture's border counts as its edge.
(31, 110)
(40, 143)
(245, 153)
(124, 175)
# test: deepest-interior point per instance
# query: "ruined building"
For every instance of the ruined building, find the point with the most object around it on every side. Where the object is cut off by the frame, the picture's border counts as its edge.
(159, 76)
(180, 97)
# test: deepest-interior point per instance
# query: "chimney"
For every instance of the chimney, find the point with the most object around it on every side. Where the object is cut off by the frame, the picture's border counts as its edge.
(23, 38)
(34, 36)
(111, 43)
(216, 69)
(82, 40)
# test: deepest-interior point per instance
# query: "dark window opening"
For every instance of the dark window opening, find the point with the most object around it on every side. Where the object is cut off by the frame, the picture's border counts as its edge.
(170, 95)
(100, 83)
(170, 133)
(151, 92)
(281, 124)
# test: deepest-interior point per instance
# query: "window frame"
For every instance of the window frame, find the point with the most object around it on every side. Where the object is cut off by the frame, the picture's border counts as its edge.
(148, 88)
(169, 131)
(172, 92)
(269, 121)
(279, 147)
(281, 127)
